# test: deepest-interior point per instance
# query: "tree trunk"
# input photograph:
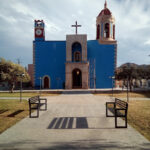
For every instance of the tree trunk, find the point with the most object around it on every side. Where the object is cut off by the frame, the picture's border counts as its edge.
(130, 85)
(12, 87)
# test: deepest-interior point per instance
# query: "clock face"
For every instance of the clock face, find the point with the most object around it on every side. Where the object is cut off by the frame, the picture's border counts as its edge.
(38, 32)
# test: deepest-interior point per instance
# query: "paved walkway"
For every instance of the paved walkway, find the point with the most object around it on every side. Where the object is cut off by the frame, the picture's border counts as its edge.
(136, 98)
(122, 98)
(72, 122)
(14, 98)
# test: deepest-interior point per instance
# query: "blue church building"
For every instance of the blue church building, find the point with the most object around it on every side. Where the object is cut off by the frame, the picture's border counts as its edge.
(76, 63)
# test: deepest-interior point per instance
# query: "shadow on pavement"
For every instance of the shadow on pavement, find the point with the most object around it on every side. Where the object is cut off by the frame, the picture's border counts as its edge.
(67, 123)
(79, 145)
(91, 144)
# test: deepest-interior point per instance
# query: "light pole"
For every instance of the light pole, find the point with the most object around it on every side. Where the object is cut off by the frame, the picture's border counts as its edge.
(128, 84)
(40, 84)
(127, 90)
(21, 76)
(112, 79)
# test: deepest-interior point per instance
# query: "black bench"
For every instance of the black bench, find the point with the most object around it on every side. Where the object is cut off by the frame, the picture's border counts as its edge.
(119, 109)
(35, 103)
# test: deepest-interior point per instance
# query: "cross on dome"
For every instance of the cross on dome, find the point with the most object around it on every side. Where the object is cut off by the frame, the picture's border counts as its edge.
(76, 26)
(105, 5)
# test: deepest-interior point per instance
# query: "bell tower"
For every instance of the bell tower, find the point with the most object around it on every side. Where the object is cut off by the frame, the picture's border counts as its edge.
(77, 65)
(105, 26)
(39, 30)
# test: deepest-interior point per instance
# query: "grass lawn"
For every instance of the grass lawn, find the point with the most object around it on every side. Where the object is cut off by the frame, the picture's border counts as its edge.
(11, 106)
(7, 108)
(4, 94)
(131, 94)
(139, 116)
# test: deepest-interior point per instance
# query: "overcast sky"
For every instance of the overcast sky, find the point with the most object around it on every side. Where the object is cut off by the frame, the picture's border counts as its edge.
(17, 25)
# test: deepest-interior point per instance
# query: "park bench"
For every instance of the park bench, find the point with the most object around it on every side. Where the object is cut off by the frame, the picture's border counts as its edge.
(119, 109)
(35, 103)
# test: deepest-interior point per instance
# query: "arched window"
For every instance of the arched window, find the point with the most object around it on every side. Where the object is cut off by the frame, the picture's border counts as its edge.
(98, 33)
(77, 56)
(76, 52)
(106, 30)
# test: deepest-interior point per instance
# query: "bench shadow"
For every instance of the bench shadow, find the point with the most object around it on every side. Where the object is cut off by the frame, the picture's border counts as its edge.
(15, 113)
(67, 123)
(72, 123)
(3, 111)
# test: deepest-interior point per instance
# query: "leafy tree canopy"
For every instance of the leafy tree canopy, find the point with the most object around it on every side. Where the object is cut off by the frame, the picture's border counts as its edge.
(129, 71)
(11, 73)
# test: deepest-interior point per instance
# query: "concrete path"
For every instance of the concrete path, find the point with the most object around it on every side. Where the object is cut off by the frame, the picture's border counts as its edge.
(136, 98)
(123, 98)
(72, 122)
(14, 98)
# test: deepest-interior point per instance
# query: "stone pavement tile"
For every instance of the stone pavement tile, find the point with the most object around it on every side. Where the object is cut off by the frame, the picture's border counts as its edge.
(72, 122)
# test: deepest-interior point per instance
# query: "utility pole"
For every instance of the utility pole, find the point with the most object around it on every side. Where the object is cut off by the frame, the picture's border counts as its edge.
(18, 61)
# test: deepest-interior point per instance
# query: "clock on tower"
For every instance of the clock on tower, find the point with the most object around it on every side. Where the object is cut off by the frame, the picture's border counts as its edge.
(39, 30)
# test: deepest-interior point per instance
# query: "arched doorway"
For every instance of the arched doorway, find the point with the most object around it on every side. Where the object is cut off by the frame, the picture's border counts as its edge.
(46, 82)
(76, 78)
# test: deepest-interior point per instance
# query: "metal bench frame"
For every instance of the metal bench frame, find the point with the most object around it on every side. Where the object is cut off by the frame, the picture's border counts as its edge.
(117, 106)
(35, 103)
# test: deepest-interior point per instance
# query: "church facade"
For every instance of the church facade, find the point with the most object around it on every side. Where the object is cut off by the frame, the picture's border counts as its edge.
(76, 63)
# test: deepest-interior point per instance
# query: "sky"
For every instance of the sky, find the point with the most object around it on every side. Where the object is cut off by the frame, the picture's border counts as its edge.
(17, 26)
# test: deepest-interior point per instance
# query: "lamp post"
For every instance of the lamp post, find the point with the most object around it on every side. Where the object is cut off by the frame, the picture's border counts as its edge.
(128, 84)
(40, 78)
(21, 76)
(127, 89)
(112, 79)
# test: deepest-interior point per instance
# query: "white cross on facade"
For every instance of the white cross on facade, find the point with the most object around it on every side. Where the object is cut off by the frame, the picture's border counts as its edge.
(76, 26)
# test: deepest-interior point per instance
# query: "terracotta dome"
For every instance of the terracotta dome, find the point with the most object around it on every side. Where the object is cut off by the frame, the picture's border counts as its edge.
(105, 11)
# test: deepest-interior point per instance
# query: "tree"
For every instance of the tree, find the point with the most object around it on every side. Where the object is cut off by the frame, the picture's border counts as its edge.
(127, 72)
(144, 71)
(9, 73)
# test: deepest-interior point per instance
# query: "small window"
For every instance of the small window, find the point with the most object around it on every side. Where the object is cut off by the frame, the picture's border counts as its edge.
(98, 27)
(77, 56)
(113, 31)
(39, 24)
(106, 31)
